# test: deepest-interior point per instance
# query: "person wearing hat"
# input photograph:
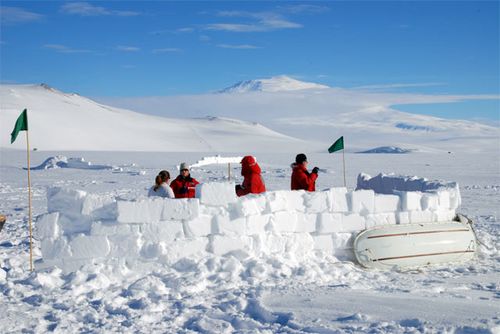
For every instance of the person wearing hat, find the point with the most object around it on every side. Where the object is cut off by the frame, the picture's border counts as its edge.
(301, 178)
(184, 185)
(252, 180)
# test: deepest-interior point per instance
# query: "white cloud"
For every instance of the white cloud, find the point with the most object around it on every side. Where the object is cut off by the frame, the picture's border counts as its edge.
(303, 8)
(399, 85)
(15, 15)
(166, 50)
(205, 38)
(87, 9)
(64, 49)
(127, 48)
(261, 22)
(241, 46)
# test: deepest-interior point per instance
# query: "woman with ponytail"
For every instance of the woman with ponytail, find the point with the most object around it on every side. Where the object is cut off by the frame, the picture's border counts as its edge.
(161, 187)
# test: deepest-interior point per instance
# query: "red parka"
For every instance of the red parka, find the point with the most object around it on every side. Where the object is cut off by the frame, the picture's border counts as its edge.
(302, 179)
(184, 187)
(252, 180)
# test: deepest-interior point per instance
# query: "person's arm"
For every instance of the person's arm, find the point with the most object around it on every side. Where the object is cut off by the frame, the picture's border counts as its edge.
(311, 178)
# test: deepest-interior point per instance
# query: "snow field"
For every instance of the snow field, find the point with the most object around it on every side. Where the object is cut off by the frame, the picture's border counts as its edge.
(82, 228)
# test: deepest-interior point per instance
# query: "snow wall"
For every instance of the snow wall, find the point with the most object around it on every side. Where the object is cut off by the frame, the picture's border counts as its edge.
(82, 228)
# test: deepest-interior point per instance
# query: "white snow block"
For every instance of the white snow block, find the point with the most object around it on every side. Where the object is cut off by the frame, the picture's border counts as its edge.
(166, 231)
(180, 208)
(64, 200)
(402, 217)
(225, 226)
(221, 245)
(89, 247)
(99, 206)
(276, 201)
(421, 217)
(386, 203)
(443, 215)
(125, 245)
(299, 244)
(269, 243)
(200, 226)
(430, 201)
(186, 249)
(323, 243)
(74, 224)
(284, 221)
(353, 223)
(55, 248)
(257, 224)
(47, 226)
(444, 199)
(251, 204)
(141, 211)
(455, 197)
(216, 193)
(306, 222)
(328, 223)
(343, 240)
(380, 219)
(113, 228)
(316, 202)
(152, 250)
(294, 200)
(363, 201)
(410, 200)
(337, 199)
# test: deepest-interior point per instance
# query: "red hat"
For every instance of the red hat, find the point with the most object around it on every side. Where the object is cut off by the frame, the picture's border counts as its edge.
(248, 160)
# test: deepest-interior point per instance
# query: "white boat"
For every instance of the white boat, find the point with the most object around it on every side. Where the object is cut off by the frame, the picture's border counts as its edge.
(414, 245)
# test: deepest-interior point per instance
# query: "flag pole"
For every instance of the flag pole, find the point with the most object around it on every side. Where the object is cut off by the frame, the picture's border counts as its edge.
(343, 159)
(29, 201)
(229, 171)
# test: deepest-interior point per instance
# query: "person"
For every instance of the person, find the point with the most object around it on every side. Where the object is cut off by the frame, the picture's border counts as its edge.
(252, 180)
(301, 178)
(161, 187)
(184, 185)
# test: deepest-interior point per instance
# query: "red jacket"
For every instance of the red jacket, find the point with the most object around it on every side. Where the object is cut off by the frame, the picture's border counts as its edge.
(302, 179)
(252, 180)
(184, 187)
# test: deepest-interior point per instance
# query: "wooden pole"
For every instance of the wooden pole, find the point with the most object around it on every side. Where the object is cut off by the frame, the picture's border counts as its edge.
(29, 202)
(229, 171)
(343, 159)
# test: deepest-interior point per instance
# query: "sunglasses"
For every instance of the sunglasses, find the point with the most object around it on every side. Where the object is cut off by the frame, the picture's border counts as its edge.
(182, 170)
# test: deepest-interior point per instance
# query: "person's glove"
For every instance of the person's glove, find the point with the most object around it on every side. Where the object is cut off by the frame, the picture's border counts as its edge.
(238, 187)
(315, 170)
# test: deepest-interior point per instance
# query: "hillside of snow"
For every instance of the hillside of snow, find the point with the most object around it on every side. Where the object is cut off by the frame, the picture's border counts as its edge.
(321, 114)
(60, 121)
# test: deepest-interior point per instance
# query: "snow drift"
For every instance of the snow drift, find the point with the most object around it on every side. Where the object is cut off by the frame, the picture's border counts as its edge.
(82, 229)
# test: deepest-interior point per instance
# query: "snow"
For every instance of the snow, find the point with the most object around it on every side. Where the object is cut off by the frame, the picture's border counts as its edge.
(388, 149)
(275, 84)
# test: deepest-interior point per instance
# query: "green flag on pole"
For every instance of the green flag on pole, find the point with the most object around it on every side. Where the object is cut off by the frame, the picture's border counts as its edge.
(337, 146)
(21, 125)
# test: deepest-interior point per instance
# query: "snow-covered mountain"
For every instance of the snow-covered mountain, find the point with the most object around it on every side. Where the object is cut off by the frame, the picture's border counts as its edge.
(60, 121)
(281, 83)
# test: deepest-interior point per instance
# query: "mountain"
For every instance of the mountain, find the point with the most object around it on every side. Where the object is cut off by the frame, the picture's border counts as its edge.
(60, 121)
(281, 83)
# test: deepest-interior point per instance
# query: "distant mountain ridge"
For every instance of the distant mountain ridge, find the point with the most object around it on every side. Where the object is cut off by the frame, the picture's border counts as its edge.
(280, 83)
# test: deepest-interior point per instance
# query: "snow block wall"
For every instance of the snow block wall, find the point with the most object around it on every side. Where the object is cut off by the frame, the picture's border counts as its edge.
(82, 228)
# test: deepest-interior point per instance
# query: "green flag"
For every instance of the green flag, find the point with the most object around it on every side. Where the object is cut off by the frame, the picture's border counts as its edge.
(21, 125)
(337, 146)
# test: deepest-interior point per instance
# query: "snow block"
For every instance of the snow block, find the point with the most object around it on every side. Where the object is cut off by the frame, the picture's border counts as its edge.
(363, 201)
(299, 244)
(430, 201)
(180, 208)
(65, 200)
(443, 215)
(284, 221)
(186, 248)
(316, 202)
(55, 248)
(337, 199)
(444, 199)
(269, 243)
(386, 203)
(200, 226)
(152, 250)
(47, 226)
(89, 247)
(379, 219)
(113, 228)
(343, 240)
(402, 217)
(166, 231)
(251, 204)
(353, 223)
(216, 193)
(221, 245)
(257, 224)
(455, 198)
(420, 217)
(74, 224)
(306, 222)
(410, 201)
(276, 201)
(99, 206)
(125, 246)
(225, 226)
(140, 211)
(329, 223)
(323, 243)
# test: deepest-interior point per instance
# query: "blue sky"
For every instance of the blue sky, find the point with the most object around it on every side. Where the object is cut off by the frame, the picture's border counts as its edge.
(132, 48)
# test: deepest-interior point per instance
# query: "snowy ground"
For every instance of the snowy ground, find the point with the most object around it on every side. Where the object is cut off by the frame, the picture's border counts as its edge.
(245, 294)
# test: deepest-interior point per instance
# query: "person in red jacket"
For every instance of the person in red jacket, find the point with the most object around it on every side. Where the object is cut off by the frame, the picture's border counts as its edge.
(184, 185)
(301, 178)
(252, 180)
